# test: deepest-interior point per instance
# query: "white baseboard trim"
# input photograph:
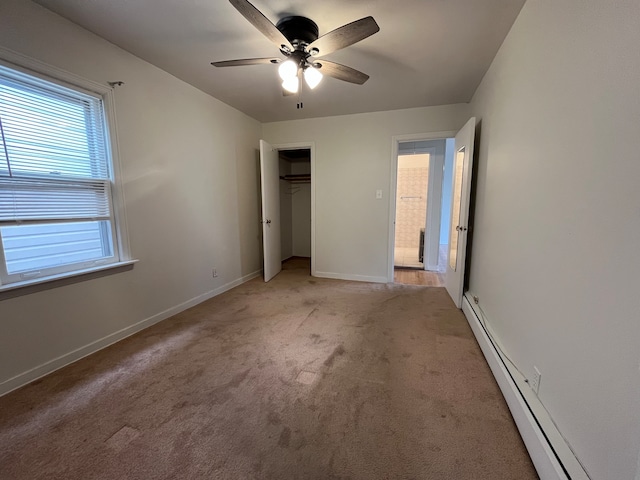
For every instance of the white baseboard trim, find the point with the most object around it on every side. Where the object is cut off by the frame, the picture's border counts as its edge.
(346, 276)
(75, 355)
(535, 439)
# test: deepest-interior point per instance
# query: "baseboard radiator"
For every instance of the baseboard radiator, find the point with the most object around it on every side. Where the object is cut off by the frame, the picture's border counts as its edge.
(551, 455)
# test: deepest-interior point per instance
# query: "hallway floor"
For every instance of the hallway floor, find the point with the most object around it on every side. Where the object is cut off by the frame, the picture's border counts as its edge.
(412, 276)
(418, 276)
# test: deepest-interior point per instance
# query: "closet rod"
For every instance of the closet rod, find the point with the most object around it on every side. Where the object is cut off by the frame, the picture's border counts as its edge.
(302, 178)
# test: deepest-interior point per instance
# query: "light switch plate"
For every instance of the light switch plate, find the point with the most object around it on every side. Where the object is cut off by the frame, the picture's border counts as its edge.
(378, 194)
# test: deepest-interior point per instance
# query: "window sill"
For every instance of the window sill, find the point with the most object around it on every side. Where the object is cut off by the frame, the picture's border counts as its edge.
(34, 285)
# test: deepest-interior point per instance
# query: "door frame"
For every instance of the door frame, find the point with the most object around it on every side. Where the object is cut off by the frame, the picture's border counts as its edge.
(311, 146)
(393, 185)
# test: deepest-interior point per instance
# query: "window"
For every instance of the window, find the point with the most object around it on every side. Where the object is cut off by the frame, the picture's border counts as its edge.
(56, 179)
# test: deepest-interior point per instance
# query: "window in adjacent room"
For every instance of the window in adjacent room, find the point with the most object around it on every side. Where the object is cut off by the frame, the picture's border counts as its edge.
(56, 179)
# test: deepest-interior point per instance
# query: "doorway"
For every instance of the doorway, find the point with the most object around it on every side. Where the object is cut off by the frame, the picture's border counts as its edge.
(295, 203)
(422, 169)
(289, 164)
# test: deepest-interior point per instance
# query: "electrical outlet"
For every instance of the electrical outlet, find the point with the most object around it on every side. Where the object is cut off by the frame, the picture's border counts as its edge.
(215, 273)
(535, 381)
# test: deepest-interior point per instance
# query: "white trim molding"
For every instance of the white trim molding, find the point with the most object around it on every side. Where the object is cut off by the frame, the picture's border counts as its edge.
(551, 455)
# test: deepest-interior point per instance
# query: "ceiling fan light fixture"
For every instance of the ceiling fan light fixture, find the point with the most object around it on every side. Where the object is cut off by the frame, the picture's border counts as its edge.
(312, 76)
(288, 70)
(299, 42)
(291, 84)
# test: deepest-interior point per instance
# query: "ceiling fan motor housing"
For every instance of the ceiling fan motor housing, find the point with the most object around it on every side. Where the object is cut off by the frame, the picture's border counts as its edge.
(300, 31)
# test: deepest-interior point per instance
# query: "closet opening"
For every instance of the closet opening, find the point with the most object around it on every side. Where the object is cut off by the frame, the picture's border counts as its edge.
(295, 207)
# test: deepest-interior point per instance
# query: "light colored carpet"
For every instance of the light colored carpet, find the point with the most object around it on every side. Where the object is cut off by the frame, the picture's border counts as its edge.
(300, 378)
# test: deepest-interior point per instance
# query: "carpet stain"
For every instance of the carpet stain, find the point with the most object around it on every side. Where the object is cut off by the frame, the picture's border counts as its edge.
(122, 438)
(285, 437)
(220, 394)
(266, 363)
(316, 338)
(306, 378)
(300, 443)
(308, 316)
(179, 405)
(339, 350)
(357, 414)
(238, 379)
(273, 418)
(389, 300)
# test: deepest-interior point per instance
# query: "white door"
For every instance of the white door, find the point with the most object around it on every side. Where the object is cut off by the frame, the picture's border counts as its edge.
(462, 171)
(270, 186)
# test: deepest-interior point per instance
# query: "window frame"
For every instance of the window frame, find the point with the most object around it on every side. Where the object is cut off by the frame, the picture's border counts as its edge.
(119, 232)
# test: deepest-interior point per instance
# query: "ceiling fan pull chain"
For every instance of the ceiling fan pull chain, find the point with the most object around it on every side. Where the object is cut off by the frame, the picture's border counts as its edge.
(300, 105)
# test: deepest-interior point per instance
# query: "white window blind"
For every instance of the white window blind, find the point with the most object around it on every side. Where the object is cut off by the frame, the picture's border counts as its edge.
(55, 178)
(22, 200)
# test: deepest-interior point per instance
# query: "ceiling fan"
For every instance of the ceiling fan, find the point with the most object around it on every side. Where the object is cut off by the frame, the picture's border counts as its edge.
(298, 40)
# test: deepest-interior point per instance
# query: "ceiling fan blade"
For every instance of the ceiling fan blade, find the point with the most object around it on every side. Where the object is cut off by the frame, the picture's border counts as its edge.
(245, 61)
(341, 72)
(344, 36)
(262, 23)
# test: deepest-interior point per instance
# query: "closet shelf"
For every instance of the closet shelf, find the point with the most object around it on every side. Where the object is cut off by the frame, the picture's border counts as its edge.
(303, 178)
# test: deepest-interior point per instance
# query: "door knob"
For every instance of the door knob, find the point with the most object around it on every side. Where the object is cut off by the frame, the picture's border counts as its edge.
(267, 222)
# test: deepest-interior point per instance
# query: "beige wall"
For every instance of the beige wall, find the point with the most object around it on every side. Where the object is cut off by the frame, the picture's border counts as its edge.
(191, 186)
(353, 160)
(557, 227)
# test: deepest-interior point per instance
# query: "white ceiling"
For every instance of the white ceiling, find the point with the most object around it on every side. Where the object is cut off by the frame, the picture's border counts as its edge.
(427, 52)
